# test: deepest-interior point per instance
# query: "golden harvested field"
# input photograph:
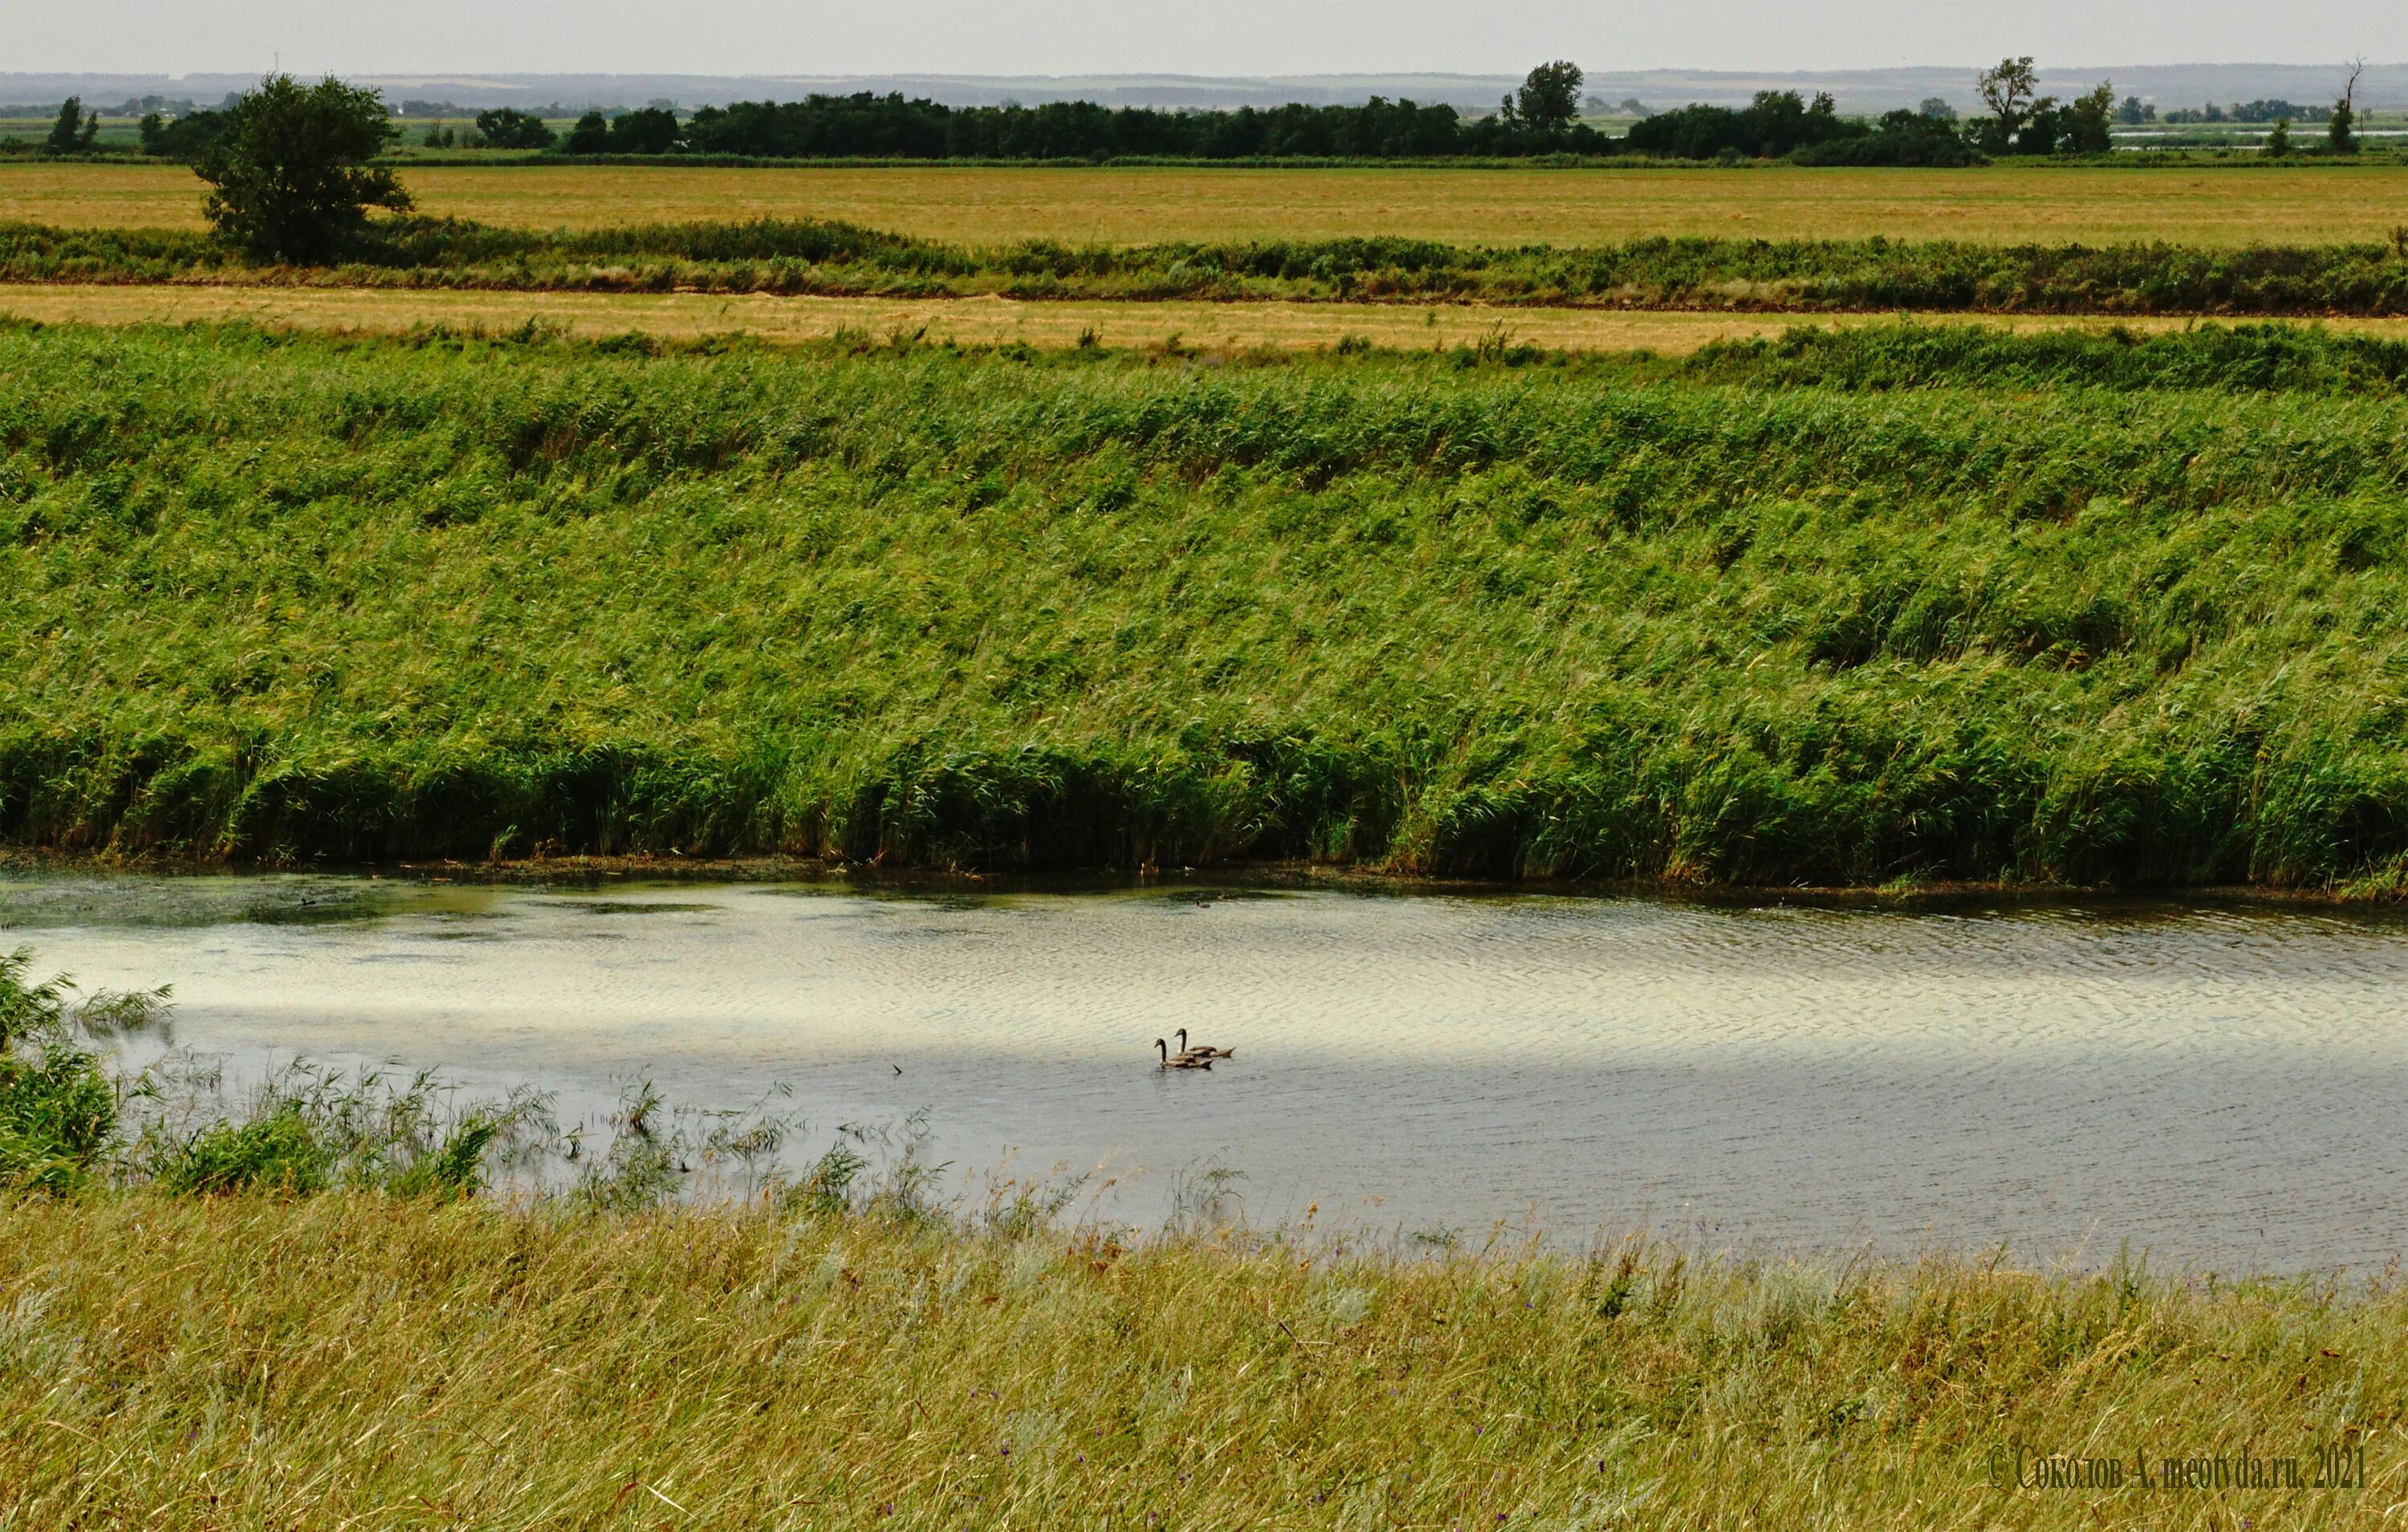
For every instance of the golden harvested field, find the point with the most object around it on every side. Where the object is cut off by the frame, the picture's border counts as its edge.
(981, 320)
(1134, 205)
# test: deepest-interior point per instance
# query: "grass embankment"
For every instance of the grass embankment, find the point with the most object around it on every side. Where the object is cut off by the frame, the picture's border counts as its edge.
(369, 1362)
(841, 260)
(1764, 616)
(2136, 203)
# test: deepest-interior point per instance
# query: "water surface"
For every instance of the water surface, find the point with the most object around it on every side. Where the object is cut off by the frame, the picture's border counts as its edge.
(2219, 1086)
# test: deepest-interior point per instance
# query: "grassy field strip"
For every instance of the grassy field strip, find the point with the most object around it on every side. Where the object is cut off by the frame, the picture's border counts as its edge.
(1137, 205)
(382, 1362)
(980, 321)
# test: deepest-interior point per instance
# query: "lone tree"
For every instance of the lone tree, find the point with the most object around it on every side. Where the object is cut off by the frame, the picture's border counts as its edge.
(74, 132)
(1549, 99)
(292, 171)
(2338, 135)
(2008, 92)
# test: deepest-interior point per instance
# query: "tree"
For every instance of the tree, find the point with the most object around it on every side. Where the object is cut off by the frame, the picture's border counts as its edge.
(2086, 119)
(1777, 123)
(590, 135)
(292, 171)
(2041, 128)
(67, 135)
(2278, 143)
(1901, 137)
(650, 130)
(2008, 92)
(1549, 99)
(2135, 111)
(506, 127)
(186, 138)
(1937, 108)
(2338, 135)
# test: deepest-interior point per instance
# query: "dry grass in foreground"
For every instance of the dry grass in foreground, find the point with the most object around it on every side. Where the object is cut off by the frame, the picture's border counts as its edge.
(1128, 206)
(359, 1361)
(979, 320)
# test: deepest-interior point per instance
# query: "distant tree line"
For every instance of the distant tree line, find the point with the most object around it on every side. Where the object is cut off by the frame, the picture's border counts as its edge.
(870, 126)
(1780, 123)
(1542, 117)
(2276, 110)
(2022, 121)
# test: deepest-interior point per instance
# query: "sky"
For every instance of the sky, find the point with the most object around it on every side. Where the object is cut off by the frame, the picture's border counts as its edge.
(1182, 36)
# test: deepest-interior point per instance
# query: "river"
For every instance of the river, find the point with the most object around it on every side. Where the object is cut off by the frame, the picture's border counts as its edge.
(2220, 1086)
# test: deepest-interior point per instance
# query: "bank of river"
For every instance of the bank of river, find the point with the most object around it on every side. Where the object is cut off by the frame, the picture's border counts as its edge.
(2219, 1085)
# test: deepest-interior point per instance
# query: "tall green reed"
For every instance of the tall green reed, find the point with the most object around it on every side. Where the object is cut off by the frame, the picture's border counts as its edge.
(1896, 604)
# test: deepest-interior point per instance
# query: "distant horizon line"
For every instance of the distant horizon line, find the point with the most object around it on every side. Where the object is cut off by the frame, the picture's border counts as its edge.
(1870, 89)
(965, 77)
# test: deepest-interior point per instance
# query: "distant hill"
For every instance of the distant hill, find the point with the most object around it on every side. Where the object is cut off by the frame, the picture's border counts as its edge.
(1856, 90)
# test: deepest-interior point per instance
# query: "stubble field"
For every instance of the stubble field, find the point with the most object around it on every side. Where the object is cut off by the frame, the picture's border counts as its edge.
(1169, 324)
(1122, 205)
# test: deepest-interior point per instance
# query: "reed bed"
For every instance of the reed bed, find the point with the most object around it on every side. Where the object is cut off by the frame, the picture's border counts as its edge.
(841, 260)
(1887, 605)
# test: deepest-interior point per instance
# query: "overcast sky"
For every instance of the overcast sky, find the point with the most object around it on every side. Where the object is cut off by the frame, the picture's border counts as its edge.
(1214, 36)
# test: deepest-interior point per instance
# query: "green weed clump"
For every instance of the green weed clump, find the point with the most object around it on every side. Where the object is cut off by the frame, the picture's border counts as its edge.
(1898, 604)
(59, 1114)
(310, 1130)
(835, 259)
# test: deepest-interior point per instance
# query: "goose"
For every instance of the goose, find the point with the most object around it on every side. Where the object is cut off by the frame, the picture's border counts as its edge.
(1180, 1061)
(1204, 1050)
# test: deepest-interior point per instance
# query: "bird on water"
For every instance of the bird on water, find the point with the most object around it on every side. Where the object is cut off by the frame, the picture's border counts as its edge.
(1203, 1051)
(1180, 1061)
